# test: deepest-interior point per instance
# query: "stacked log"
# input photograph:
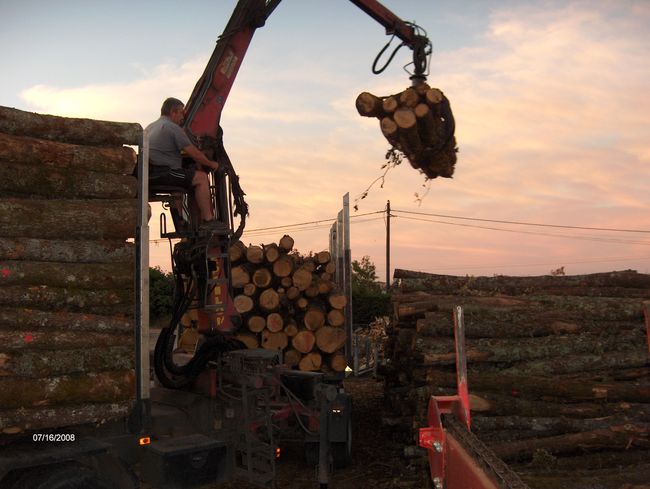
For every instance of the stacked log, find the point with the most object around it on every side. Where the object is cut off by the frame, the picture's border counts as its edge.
(67, 298)
(290, 302)
(558, 369)
(418, 122)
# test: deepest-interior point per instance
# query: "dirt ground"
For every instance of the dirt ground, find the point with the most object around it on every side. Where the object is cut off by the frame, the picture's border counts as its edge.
(377, 460)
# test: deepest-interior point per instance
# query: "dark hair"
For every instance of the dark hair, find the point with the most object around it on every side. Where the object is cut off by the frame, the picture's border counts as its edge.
(170, 104)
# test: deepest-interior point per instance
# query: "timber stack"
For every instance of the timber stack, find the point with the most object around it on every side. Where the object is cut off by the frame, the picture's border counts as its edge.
(558, 370)
(67, 300)
(416, 122)
(290, 302)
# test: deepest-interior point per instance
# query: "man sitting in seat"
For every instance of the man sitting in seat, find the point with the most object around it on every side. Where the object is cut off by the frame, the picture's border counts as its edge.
(166, 142)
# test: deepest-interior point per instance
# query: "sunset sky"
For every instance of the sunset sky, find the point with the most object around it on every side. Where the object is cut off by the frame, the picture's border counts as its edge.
(551, 99)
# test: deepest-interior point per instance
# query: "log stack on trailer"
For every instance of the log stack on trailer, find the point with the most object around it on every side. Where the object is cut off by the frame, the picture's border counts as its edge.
(290, 302)
(558, 370)
(416, 122)
(67, 272)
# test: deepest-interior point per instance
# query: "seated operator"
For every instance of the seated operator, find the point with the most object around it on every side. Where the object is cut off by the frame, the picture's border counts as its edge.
(166, 141)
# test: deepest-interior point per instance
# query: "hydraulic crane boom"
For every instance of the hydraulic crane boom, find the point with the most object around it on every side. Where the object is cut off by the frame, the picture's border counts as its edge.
(204, 107)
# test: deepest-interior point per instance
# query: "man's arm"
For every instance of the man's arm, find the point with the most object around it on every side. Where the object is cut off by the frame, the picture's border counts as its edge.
(196, 154)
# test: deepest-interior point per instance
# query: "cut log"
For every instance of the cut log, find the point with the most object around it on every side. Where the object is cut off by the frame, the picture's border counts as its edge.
(302, 303)
(243, 303)
(274, 341)
(309, 264)
(256, 323)
(433, 97)
(330, 339)
(83, 219)
(262, 278)
(286, 243)
(336, 317)
(68, 251)
(237, 251)
(390, 131)
(75, 275)
(323, 257)
(311, 362)
(68, 129)
(269, 300)
(292, 357)
(389, 105)
(409, 98)
(408, 131)
(87, 357)
(103, 387)
(255, 254)
(293, 293)
(274, 322)
(337, 299)
(301, 278)
(49, 156)
(240, 276)
(283, 266)
(312, 291)
(304, 341)
(314, 319)
(250, 289)
(426, 125)
(13, 319)
(24, 180)
(250, 341)
(12, 340)
(271, 252)
(323, 286)
(369, 105)
(337, 362)
(291, 329)
(330, 268)
(286, 282)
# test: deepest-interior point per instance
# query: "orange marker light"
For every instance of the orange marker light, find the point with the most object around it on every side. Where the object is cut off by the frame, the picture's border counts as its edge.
(277, 452)
(145, 440)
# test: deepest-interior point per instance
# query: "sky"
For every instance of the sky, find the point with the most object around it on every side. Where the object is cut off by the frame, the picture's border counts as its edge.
(551, 101)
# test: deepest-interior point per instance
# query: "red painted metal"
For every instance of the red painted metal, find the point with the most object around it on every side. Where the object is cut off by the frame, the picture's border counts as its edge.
(388, 19)
(462, 470)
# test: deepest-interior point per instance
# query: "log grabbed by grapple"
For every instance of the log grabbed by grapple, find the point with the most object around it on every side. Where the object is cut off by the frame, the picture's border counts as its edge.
(419, 123)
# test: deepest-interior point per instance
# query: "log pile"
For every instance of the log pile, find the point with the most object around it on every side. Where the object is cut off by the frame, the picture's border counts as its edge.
(290, 302)
(558, 370)
(67, 298)
(418, 122)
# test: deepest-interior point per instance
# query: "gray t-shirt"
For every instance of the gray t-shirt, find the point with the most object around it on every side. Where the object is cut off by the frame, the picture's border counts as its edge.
(166, 139)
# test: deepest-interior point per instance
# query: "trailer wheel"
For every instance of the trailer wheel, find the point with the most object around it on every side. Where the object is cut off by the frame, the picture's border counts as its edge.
(69, 476)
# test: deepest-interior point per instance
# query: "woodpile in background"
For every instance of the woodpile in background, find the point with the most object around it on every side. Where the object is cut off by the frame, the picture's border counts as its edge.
(68, 204)
(414, 122)
(558, 370)
(290, 302)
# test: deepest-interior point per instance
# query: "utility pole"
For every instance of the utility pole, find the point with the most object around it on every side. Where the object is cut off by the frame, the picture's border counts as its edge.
(387, 245)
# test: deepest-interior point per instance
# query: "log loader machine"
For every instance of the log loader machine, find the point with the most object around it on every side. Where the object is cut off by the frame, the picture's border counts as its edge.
(219, 414)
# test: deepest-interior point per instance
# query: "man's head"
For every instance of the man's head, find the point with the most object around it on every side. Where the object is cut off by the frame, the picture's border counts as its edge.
(173, 108)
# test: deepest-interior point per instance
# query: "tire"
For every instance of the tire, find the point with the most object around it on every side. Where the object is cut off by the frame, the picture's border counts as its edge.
(69, 476)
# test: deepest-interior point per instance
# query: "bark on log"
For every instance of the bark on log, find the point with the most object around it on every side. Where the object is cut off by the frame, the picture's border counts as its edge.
(311, 362)
(390, 131)
(304, 341)
(369, 105)
(18, 420)
(243, 303)
(83, 219)
(15, 319)
(103, 387)
(408, 132)
(330, 339)
(116, 251)
(86, 358)
(21, 180)
(426, 125)
(37, 340)
(274, 341)
(51, 156)
(79, 276)
(68, 129)
(52, 298)
(286, 243)
(615, 437)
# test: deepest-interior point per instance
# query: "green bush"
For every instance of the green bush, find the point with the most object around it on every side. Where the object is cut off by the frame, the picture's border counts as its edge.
(368, 300)
(161, 293)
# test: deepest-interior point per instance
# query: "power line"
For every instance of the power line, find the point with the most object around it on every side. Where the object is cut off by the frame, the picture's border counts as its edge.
(521, 223)
(584, 238)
